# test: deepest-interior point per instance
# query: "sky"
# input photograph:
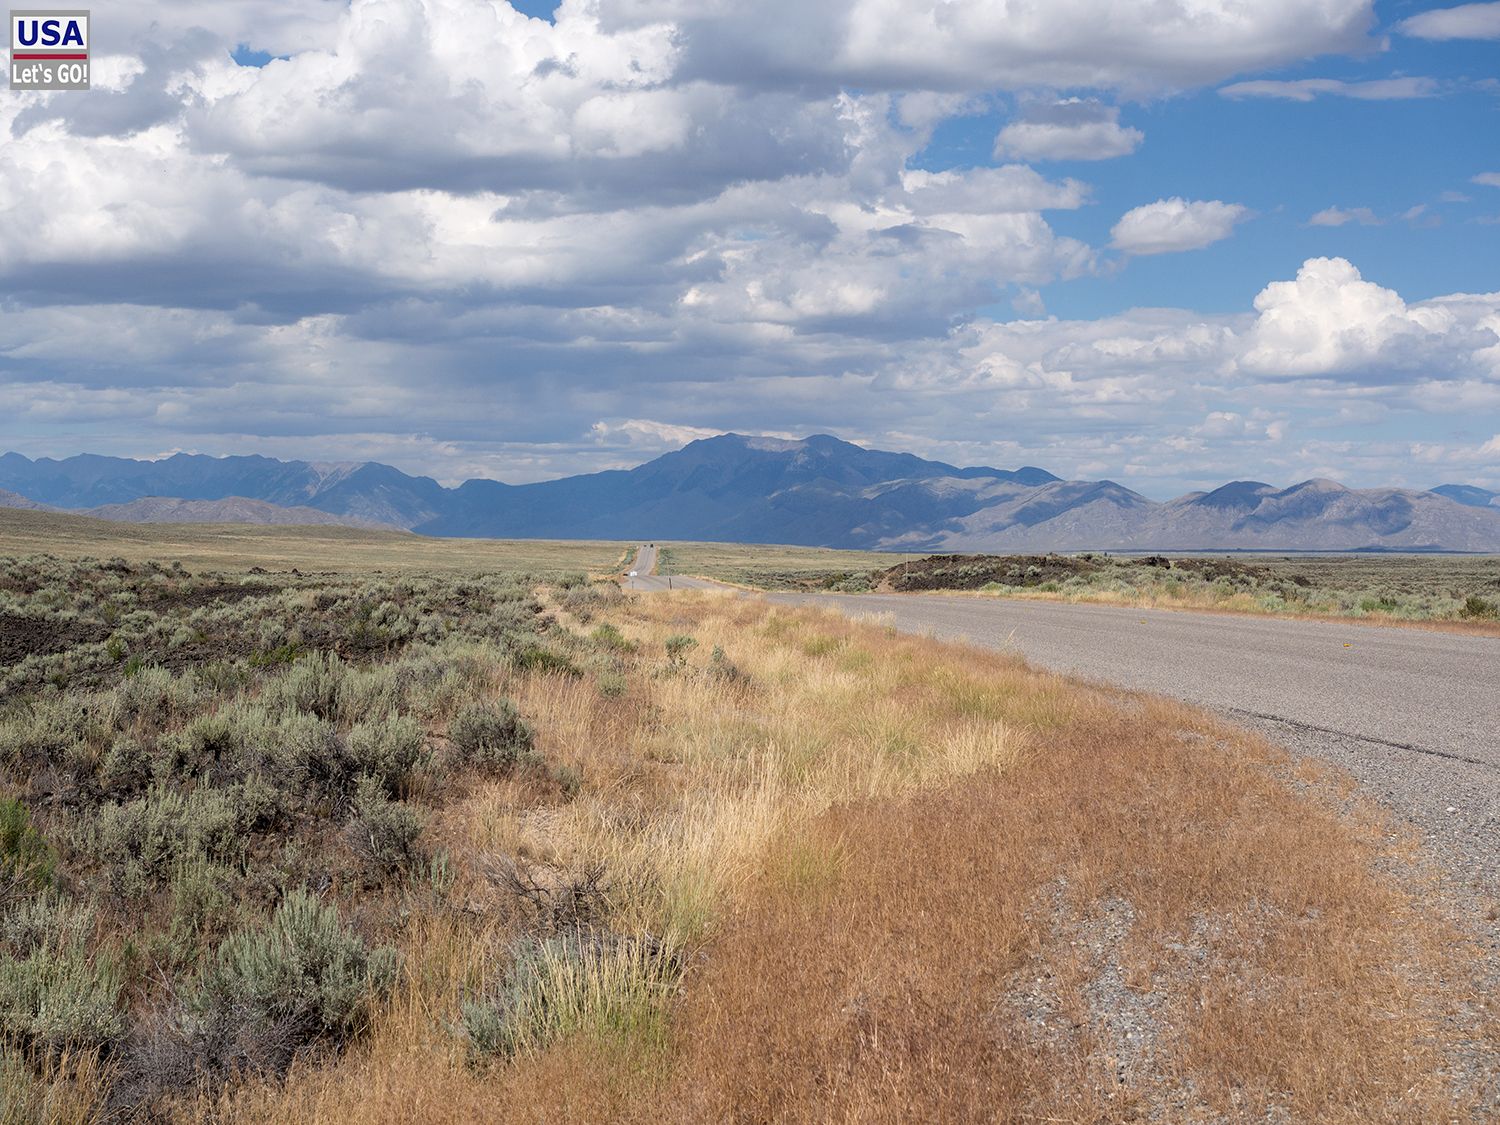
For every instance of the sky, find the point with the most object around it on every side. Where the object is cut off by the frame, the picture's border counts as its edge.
(1171, 243)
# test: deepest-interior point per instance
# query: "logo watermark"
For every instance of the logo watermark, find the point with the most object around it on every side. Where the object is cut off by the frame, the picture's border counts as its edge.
(49, 50)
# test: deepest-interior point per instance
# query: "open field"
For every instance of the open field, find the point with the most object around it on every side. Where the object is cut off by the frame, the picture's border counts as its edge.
(771, 567)
(482, 847)
(238, 547)
(1453, 588)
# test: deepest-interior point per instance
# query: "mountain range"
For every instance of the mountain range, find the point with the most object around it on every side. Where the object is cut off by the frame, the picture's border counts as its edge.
(816, 491)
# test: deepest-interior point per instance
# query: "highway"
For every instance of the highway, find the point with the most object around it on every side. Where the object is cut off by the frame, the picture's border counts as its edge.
(1413, 714)
(647, 581)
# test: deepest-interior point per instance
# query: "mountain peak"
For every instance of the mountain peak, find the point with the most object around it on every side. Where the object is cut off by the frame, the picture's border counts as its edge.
(1469, 495)
(1315, 484)
(1237, 494)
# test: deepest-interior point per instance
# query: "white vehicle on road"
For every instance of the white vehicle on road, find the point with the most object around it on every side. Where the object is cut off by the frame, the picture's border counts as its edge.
(633, 574)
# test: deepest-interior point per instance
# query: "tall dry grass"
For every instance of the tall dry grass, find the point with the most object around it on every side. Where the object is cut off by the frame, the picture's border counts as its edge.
(907, 880)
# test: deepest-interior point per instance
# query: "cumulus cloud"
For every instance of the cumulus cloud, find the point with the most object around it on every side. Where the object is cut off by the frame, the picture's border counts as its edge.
(1307, 89)
(1467, 21)
(1071, 129)
(1331, 321)
(1488, 179)
(1170, 225)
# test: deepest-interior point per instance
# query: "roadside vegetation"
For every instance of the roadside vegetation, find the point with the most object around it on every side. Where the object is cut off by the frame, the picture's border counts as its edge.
(434, 847)
(773, 567)
(1390, 588)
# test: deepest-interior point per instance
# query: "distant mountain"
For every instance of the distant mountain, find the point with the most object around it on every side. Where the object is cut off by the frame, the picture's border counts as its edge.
(365, 490)
(817, 491)
(16, 500)
(232, 509)
(1469, 495)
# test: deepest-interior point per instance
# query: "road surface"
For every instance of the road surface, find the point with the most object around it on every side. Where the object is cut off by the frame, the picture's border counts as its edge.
(647, 581)
(1414, 715)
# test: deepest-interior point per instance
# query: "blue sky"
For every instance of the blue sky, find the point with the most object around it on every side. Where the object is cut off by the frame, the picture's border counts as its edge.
(1094, 236)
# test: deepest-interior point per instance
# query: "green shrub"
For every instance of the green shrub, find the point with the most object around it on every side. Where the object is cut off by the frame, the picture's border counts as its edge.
(309, 754)
(387, 750)
(27, 863)
(310, 686)
(720, 667)
(608, 637)
(492, 737)
(1475, 606)
(531, 656)
(583, 980)
(124, 768)
(301, 980)
(370, 691)
(201, 907)
(47, 730)
(386, 831)
(142, 842)
(155, 695)
(55, 994)
(678, 647)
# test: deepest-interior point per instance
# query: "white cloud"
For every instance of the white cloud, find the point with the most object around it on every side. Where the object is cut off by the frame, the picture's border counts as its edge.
(1331, 321)
(638, 433)
(990, 191)
(1306, 89)
(1174, 224)
(1488, 179)
(1467, 21)
(1071, 129)
(1337, 217)
(996, 44)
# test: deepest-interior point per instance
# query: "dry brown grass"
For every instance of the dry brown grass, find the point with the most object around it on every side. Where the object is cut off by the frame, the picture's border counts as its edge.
(915, 881)
(960, 969)
(241, 546)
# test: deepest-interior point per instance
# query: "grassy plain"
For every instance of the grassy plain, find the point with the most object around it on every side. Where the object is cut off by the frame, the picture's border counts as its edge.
(771, 567)
(460, 847)
(241, 546)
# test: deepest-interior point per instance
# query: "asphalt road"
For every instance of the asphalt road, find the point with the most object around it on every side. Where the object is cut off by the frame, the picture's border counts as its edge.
(647, 581)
